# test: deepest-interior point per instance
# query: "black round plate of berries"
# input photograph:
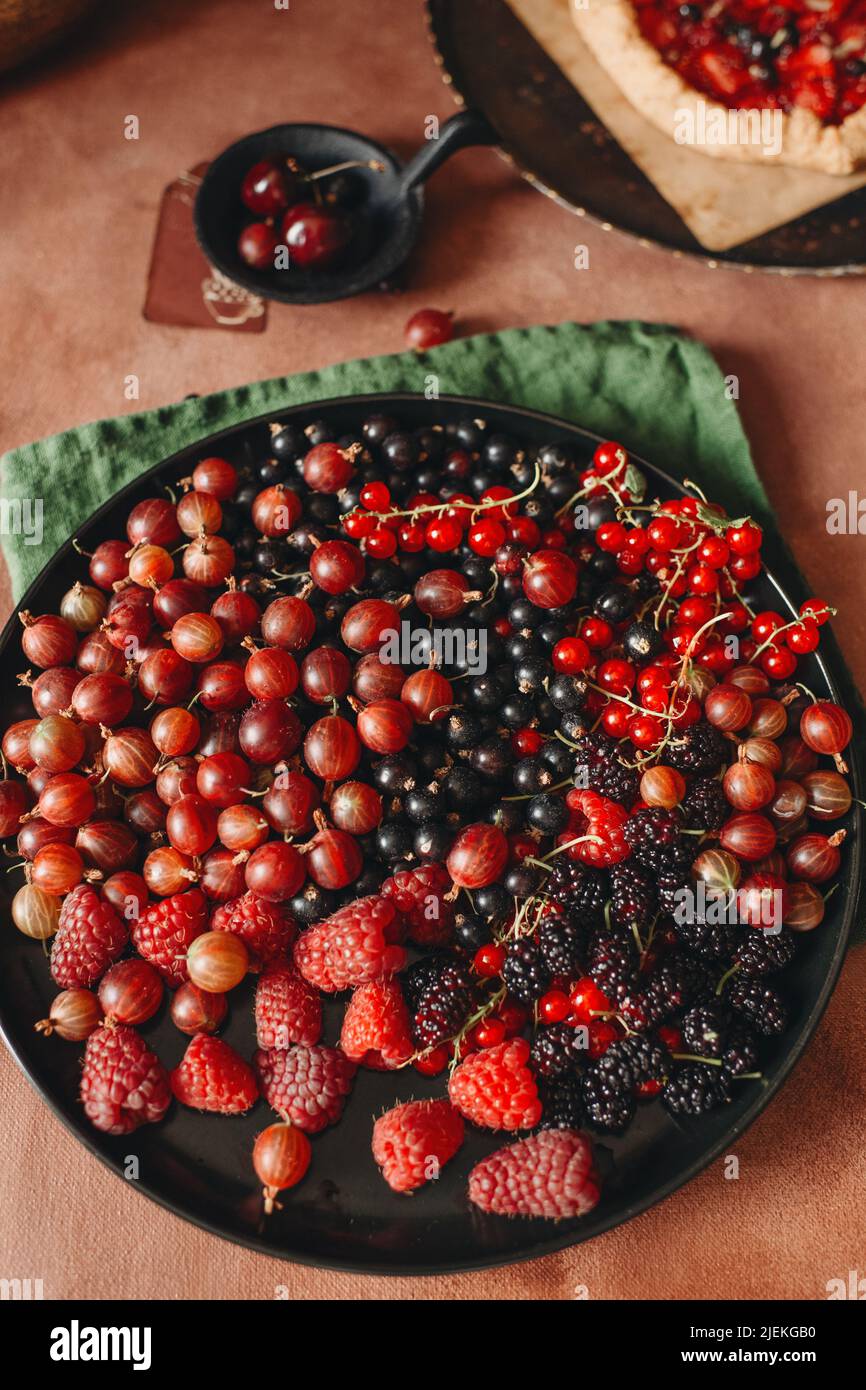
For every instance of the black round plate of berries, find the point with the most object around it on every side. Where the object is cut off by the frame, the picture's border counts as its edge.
(555, 139)
(589, 942)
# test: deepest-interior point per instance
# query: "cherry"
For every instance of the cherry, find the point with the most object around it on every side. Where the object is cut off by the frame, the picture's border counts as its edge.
(266, 188)
(429, 328)
(257, 245)
(315, 235)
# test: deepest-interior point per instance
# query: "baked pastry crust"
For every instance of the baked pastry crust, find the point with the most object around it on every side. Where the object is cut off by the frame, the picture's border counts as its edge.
(611, 31)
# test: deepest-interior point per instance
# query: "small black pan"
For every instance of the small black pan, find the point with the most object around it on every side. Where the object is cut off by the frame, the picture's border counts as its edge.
(394, 203)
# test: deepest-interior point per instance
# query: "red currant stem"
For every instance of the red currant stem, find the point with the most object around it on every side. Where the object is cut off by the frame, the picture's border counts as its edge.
(687, 656)
(590, 487)
(538, 863)
(737, 595)
(687, 482)
(441, 507)
(580, 840)
(773, 635)
(567, 741)
(670, 584)
(727, 975)
(527, 796)
(491, 592)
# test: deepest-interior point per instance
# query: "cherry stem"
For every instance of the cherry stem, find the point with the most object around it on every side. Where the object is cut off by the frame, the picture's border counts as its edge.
(375, 164)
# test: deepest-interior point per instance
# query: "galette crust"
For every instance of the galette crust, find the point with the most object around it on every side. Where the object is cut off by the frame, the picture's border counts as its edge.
(611, 31)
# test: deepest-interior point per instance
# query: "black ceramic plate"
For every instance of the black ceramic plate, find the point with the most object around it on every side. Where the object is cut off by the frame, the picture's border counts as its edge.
(557, 142)
(343, 1215)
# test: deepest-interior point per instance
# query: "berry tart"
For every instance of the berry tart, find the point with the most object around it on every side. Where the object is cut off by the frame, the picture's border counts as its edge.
(694, 64)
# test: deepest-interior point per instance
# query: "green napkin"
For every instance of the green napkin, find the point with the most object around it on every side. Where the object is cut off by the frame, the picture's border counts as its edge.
(657, 391)
(646, 385)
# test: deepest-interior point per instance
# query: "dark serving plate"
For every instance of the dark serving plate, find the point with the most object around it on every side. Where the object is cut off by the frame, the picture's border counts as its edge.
(343, 1215)
(494, 65)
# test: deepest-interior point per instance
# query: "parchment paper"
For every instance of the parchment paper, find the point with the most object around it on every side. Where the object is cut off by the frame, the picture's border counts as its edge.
(722, 203)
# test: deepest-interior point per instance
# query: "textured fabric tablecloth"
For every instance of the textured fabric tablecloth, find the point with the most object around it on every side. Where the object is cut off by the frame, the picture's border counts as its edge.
(499, 254)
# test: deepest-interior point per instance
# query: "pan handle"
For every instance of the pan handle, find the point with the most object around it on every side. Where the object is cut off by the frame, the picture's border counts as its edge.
(466, 128)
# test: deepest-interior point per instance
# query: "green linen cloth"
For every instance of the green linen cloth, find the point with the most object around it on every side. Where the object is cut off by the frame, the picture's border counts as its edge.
(646, 385)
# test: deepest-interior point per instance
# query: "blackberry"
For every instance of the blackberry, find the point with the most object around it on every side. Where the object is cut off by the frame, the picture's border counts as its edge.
(581, 891)
(524, 972)
(605, 773)
(759, 1004)
(440, 995)
(671, 889)
(634, 898)
(700, 748)
(693, 1089)
(555, 1051)
(562, 944)
(612, 961)
(656, 841)
(563, 1108)
(705, 806)
(710, 940)
(764, 952)
(629, 1063)
(679, 982)
(740, 1049)
(607, 1107)
(705, 1028)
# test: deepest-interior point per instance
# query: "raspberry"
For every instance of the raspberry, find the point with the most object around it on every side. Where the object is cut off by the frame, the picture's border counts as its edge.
(524, 972)
(288, 1009)
(165, 931)
(123, 1084)
(89, 939)
(550, 1174)
(376, 1030)
(211, 1076)
(307, 1086)
(694, 1089)
(413, 1141)
(266, 929)
(351, 947)
(440, 993)
(419, 896)
(495, 1089)
(222, 915)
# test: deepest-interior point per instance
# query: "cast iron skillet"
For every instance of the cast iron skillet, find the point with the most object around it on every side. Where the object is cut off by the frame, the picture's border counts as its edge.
(343, 1215)
(392, 206)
